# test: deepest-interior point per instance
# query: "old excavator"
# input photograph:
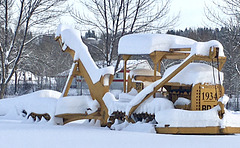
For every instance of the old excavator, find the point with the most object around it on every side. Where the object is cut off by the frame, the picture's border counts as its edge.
(187, 99)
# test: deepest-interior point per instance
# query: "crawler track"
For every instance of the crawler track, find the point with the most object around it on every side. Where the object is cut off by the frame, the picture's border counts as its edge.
(121, 116)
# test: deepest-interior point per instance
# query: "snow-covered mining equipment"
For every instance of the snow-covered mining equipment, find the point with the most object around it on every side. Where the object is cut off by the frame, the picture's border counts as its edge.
(188, 98)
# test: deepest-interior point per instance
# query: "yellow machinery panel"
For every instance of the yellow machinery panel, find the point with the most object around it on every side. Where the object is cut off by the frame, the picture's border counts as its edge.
(205, 97)
(137, 85)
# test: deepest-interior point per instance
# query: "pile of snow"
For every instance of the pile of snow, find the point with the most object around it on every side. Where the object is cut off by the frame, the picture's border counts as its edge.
(120, 104)
(143, 72)
(182, 101)
(72, 135)
(41, 102)
(224, 99)
(136, 127)
(154, 105)
(184, 118)
(208, 118)
(150, 106)
(140, 127)
(231, 119)
(202, 48)
(62, 27)
(195, 73)
(113, 104)
(134, 44)
(148, 43)
(116, 92)
(42, 94)
(76, 104)
(72, 39)
(126, 97)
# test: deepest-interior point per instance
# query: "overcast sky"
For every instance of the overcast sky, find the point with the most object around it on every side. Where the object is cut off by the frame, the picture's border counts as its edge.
(191, 12)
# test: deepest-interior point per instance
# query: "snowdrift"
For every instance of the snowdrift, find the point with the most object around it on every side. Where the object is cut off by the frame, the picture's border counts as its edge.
(43, 101)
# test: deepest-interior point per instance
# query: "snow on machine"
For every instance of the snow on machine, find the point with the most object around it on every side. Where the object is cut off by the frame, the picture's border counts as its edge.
(187, 99)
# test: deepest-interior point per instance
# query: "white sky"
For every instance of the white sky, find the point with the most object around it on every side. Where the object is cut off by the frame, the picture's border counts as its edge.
(191, 13)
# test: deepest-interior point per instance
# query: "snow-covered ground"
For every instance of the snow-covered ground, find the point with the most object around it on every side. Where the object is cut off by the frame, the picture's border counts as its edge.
(14, 134)
(16, 131)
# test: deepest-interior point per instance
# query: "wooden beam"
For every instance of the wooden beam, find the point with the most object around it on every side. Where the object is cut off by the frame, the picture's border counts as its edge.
(209, 130)
(157, 58)
(68, 50)
(155, 72)
(68, 117)
(70, 79)
(125, 58)
(159, 66)
(179, 49)
(221, 60)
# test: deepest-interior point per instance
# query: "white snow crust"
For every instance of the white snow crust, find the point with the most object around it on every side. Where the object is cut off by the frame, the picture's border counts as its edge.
(143, 72)
(182, 101)
(224, 99)
(62, 27)
(184, 118)
(126, 97)
(195, 73)
(136, 127)
(134, 44)
(231, 119)
(150, 106)
(202, 48)
(154, 105)
(147, 43)
(76, 104)
(41, 102)
(72, 39)
(113, 104)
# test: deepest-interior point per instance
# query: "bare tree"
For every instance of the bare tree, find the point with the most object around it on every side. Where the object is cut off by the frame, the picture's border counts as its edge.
(18, 16)
(226, 13)
(115, 18)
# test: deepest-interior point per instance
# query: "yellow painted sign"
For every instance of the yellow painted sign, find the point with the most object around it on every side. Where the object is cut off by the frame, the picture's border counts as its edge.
(205, 97)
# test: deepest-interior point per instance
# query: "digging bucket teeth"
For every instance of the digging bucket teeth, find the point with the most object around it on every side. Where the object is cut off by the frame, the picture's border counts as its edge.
(39, 117)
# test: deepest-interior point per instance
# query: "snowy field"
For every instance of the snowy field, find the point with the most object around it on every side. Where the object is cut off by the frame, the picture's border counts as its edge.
(14, 134)
(16, 131)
